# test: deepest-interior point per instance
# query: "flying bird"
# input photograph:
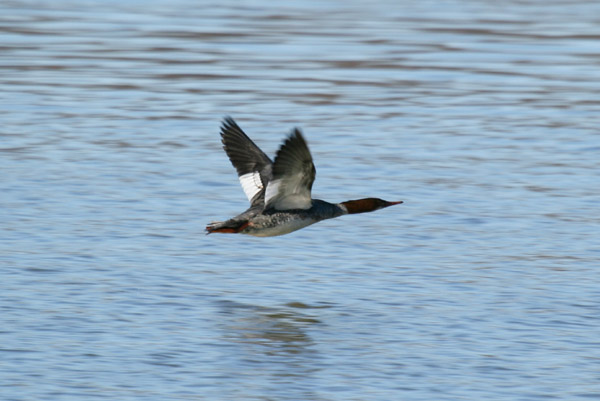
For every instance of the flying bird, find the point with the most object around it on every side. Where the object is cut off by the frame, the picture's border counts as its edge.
(279, 192)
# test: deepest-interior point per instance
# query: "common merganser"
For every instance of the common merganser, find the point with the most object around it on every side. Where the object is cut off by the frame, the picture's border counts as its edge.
(279, 192)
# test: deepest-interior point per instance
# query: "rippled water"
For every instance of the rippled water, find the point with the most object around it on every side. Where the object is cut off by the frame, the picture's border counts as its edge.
(481, 116)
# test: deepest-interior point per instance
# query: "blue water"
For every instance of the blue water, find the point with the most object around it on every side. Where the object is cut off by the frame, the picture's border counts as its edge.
(482, 117)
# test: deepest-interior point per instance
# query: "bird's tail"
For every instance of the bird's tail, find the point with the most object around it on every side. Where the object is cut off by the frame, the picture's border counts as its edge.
(226, 227)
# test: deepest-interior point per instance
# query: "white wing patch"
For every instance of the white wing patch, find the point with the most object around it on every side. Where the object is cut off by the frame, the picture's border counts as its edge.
(251, 184)
(287, 193)
(272, 191)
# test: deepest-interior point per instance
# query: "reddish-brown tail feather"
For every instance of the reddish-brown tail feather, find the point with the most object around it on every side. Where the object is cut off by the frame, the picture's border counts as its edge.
(224, 228)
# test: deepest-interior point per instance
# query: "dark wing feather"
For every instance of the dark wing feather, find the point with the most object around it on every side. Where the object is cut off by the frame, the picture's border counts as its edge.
(293, 176)
(252, 164)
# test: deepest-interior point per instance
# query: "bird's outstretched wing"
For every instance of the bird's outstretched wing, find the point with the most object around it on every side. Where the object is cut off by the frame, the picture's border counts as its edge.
(293, 176)
(253, 166)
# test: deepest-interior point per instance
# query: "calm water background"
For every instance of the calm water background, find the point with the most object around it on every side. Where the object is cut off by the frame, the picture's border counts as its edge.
(482, 116)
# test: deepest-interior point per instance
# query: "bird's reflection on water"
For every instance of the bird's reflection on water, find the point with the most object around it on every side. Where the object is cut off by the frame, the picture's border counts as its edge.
(276, 330)
(273, 347)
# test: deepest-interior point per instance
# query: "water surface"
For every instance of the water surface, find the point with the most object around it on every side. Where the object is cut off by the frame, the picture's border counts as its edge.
(482, 117)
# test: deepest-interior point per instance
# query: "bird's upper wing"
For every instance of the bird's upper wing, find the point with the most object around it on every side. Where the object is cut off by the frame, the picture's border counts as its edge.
(293, 176)
(252, 164)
